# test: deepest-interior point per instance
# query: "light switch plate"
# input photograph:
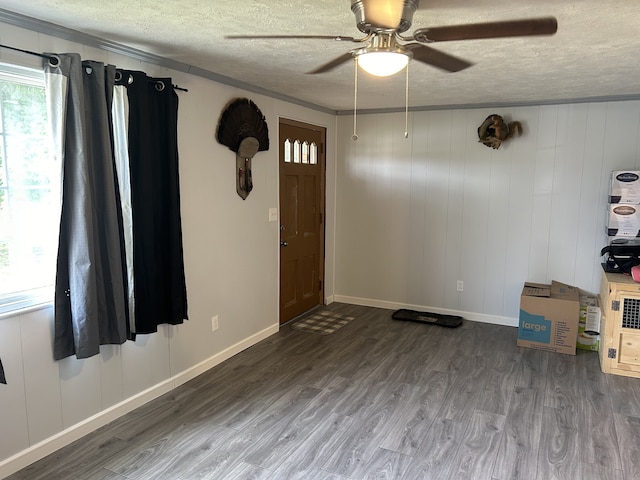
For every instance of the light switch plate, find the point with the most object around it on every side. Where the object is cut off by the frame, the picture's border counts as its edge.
(273, 214)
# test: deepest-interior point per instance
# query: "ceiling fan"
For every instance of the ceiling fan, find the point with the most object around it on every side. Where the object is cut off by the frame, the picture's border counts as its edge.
(386, 51)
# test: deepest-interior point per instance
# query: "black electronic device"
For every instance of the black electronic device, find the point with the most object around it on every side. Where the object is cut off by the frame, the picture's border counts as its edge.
(621, 255)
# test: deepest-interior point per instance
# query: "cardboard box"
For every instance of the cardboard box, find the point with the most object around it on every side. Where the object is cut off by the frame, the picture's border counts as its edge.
(589, 324)
(625, 186)
(623, 220)
(549, 317)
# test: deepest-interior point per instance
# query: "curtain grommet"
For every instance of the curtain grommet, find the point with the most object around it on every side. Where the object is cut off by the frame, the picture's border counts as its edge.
(54, 60)
(159, 86)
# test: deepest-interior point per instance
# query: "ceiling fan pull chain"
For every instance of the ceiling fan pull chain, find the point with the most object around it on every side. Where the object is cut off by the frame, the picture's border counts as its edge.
(354, 137)
(406, 104)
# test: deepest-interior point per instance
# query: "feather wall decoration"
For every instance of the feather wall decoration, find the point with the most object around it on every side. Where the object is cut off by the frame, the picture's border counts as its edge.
(243, 129)
(239, 120)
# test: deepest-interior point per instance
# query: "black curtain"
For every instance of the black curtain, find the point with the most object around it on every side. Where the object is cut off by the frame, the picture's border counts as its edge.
(159, 289)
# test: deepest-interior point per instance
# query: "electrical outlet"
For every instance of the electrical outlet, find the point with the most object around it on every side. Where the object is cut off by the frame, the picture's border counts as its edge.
(460, 286)
(273, 214)
(214, 323)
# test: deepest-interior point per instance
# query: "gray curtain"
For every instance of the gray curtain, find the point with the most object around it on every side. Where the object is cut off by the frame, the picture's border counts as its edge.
(91, 304)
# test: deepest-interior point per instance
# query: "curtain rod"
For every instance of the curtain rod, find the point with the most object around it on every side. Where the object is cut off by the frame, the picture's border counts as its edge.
(54, 60)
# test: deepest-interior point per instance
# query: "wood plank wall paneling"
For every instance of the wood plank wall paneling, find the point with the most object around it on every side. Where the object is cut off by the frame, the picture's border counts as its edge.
(41, 374)
(531, 211)
(13, 400)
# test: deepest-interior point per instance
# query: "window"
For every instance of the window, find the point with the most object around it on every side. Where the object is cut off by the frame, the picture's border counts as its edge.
(302, 152)
(29, 191)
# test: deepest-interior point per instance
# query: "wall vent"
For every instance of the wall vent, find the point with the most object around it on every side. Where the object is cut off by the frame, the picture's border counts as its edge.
(631, 313)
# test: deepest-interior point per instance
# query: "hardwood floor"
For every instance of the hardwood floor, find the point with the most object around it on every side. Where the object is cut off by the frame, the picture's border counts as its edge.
(378, 399)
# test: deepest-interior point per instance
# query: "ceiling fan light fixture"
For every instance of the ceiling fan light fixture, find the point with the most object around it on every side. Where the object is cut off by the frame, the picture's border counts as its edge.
(382, 64)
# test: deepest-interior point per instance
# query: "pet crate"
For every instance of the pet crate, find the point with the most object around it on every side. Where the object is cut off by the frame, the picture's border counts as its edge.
(620, 327)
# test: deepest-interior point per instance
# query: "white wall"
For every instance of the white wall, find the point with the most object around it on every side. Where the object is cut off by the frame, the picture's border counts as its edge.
(416, 215)
(231, 262)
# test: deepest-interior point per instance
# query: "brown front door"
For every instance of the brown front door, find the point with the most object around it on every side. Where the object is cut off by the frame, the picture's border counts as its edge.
(302, 170)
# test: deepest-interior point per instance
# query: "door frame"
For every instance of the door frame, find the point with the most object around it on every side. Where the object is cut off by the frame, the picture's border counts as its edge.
(322, 163)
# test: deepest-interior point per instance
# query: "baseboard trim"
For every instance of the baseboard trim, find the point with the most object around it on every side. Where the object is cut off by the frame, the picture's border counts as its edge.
(476, 317)
(49, 445)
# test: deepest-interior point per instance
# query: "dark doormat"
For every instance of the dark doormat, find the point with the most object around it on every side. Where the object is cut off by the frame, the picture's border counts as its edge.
(450, 321)
(323, 322)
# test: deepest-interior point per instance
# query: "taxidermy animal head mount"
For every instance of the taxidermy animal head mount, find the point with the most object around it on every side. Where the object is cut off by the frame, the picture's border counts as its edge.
(494, 130)
(243, 129)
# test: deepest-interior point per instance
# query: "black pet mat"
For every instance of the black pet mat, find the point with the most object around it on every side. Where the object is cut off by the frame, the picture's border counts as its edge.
(450, 321)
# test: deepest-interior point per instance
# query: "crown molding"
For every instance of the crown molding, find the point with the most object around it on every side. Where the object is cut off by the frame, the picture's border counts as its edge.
(54, 30)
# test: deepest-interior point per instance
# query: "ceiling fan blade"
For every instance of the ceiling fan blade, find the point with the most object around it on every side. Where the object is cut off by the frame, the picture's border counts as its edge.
(383, 13)
(339, 38)
(436, 58)
(509, 28)
(345, 57)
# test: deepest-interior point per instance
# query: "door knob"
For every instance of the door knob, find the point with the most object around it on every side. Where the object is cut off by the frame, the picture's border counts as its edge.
(283, 243)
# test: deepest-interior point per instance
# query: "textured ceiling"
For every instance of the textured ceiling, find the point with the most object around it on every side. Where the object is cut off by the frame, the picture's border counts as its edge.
(593, 55)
